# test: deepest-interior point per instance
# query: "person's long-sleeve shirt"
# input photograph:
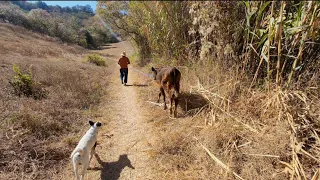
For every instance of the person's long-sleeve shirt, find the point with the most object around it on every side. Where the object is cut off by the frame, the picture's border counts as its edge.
(123, 62)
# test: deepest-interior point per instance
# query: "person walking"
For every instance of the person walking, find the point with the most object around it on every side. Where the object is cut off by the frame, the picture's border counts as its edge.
(123, 62)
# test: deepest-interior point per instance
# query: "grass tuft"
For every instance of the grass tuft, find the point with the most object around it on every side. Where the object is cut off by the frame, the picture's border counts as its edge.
(96, 59)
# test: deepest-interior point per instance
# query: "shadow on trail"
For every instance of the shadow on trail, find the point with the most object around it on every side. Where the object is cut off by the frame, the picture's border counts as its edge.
(106, 46)
(191, 103)
(112, 170)
(104, 54)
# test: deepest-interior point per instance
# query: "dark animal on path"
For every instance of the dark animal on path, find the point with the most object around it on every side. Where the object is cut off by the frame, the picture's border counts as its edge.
(169, 80)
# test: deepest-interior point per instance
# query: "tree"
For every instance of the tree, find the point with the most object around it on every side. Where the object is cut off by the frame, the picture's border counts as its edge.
(117, 15)
(39, 19)
(160, 27)
(42, 5)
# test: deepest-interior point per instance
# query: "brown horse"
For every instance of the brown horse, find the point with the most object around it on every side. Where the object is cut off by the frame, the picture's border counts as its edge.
(168, 78)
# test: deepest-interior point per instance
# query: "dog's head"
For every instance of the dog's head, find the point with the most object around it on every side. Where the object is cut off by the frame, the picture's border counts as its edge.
(95, 125)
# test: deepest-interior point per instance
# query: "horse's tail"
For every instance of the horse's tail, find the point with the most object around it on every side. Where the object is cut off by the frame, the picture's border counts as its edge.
(176, 81)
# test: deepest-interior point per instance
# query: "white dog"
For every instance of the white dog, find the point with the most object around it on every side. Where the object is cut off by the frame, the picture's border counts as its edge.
(84, 151)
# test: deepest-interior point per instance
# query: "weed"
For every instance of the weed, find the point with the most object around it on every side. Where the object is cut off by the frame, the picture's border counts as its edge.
(23, 84)
(96, 59)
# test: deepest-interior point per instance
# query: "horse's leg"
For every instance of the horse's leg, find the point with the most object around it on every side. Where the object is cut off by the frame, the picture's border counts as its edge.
(171, 95)
(176, 98)
(171, 101)
(164, 97)
(159, 96)
(176, 101)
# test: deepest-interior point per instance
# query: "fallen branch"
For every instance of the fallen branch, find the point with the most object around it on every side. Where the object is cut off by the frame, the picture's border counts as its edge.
(316, 175)
(199, 111)
(220, 163)
(262, 155)
(234, 118)
(247, 143)
(158, 104)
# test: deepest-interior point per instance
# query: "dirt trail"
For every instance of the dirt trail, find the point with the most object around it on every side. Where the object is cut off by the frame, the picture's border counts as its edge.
(123, 141)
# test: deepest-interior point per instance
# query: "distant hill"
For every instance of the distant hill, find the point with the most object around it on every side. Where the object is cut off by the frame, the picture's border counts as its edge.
(77, 24)
(42, 5)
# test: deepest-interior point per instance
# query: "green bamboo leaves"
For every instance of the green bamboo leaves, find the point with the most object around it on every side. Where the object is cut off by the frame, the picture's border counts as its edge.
(277, 31)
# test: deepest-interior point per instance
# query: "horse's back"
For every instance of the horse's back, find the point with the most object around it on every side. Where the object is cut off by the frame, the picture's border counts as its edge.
(170, 75)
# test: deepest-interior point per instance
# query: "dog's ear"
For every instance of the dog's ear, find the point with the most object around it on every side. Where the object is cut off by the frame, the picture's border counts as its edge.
(99, 124)
(152, 69)
(91, 123)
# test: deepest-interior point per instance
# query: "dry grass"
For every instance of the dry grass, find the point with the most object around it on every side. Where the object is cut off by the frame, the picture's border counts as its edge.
(37, 136)
(267, 132)
(227, 131)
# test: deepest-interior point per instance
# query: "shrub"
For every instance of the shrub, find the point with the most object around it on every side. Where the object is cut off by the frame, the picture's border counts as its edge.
(23, 84)
(66, 34)
(38, 19)
(96, 59)
(82, 42)
(13, 14)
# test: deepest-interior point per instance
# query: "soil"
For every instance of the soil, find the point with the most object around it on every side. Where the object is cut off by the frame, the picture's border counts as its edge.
(125, 138)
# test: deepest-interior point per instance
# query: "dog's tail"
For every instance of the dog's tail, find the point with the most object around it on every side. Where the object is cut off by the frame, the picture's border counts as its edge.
(79, 152)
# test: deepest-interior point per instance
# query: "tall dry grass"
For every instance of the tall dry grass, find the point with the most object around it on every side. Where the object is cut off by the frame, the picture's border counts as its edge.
(255, 64)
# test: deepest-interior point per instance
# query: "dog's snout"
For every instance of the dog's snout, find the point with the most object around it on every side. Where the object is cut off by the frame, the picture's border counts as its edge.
(99, 124)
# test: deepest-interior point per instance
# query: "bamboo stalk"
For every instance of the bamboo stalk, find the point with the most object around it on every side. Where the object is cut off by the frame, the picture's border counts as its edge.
(269, 37)
(256, 74)
(304, 35)
(279, 34)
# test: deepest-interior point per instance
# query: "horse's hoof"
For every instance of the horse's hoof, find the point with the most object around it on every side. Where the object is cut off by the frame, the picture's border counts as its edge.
(175, 114)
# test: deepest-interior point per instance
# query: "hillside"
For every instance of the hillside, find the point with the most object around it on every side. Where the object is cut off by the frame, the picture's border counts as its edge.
(37, 135)
(77, 24)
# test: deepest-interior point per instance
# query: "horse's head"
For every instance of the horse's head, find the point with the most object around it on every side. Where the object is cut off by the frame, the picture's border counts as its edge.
(154, 72)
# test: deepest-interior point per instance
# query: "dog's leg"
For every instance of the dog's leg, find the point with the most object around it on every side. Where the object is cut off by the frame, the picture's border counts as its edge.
(75, 167)
(84, 167)
(93, 151)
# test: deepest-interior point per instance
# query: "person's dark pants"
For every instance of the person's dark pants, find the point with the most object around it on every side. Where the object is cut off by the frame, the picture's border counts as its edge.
(124, 75)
